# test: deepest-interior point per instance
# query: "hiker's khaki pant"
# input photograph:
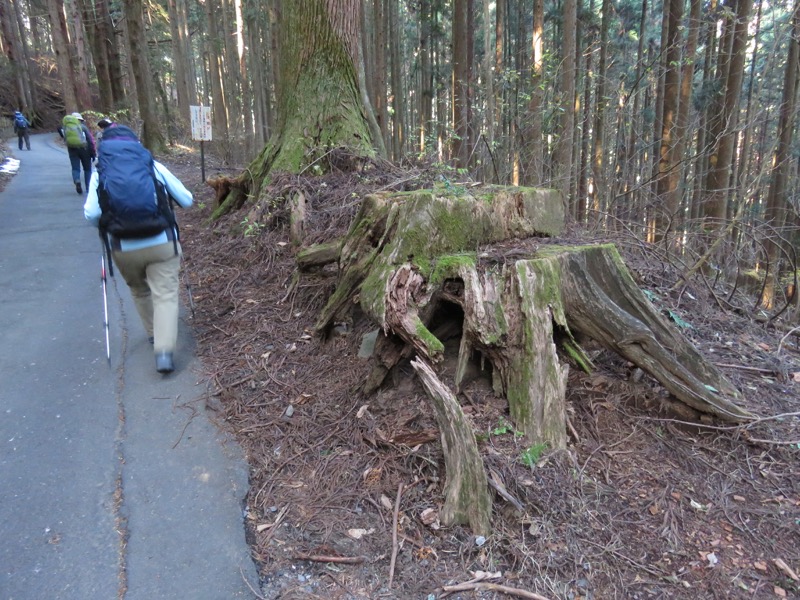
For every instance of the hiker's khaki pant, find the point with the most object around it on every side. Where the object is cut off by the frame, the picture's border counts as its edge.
(152, 274)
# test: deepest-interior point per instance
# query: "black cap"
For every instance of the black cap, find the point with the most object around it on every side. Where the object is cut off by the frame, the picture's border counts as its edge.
(103, 123)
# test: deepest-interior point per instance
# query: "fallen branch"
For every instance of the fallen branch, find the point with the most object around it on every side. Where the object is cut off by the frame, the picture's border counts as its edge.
(493, 587)
(394, 534)
(343, 560)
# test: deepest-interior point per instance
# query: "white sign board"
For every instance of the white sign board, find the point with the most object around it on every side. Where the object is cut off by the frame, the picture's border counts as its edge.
(201, 123)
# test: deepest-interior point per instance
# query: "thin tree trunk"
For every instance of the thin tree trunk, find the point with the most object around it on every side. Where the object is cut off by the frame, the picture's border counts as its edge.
(533, 164)
(564, 144)
(152, 136)
(426, 77)
(108, 37)
(599, 195)
(715, 205)
(665, 212)
(180, 61)
(58, 29)
(777, 203)
(78, 46)
(398, 92)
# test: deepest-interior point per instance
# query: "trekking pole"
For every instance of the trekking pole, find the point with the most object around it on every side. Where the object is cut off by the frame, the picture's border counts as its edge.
(105, 306)
(187, 284)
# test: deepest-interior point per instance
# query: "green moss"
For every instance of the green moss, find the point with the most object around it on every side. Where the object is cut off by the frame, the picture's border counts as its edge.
(577, 354)
(448, 266)
(431, 341)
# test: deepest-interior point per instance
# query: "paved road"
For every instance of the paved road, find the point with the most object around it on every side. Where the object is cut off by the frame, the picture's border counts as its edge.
(114, 483)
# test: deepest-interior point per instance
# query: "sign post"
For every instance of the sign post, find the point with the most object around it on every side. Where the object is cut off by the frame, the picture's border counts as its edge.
(201, 131)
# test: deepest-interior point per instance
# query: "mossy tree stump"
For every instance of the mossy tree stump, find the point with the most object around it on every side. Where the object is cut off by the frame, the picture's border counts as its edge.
(409, 256)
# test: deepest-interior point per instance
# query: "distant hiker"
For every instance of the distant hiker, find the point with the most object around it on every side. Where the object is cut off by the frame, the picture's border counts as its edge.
(80, 146)
(103, 124)
(129, 200)
(21, 126)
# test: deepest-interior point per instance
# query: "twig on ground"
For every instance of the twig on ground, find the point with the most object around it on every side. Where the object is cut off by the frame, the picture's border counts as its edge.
(493, 587)
(343, 560)
(394, 534)
(252, 589)
(783, 339)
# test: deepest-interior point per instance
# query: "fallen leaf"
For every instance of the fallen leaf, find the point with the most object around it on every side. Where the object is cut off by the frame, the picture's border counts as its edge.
(676, 495)
(739, 498)
(362, 411)
(386, 503)
(779, 592)
(428, 516)
(653, 509)
(761, 566)
(796, 376)
(763, 346)
(697, 506)
(357, 534)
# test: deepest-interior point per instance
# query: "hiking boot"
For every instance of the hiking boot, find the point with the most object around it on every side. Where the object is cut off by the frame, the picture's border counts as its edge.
(164, 362)
(78, 187)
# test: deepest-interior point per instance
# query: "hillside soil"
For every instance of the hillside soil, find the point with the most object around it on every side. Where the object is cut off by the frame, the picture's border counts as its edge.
(345, 489)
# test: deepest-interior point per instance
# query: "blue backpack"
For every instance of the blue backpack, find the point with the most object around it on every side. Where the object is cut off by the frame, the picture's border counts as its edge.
(20, 122)
(134, 203)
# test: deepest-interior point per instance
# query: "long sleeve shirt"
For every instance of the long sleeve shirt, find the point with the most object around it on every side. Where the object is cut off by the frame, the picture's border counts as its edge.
(176, 189)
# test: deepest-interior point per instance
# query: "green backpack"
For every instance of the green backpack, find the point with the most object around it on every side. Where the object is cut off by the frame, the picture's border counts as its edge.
(73, 132)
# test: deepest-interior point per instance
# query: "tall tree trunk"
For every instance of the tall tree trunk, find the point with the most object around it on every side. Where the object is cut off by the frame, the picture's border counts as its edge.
(563, 167)
(180, 61)
(79, 54)
(9, 33)
(488, 75)
(152, 137)
(319, 104)
(99, 55)
(460, 85)
(380, 11)
(599, 195)
(398, 91)
(58, 29)
(426, 77)
(777, 202)
(219, 119)
(533, 164)
(108, 37)
(721, 159)
(665, 212)
(28, 67)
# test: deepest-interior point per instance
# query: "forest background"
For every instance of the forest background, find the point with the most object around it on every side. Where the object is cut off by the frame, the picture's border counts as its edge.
(672, 127)
(675, 121)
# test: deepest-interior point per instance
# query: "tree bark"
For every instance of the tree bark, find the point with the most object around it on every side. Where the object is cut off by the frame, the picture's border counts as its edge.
(515, 303)
(152, 137)
(777, 202)
(58, 29)
(466, 490)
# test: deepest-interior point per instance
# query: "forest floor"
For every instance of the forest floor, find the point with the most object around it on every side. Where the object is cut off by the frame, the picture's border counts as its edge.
(640, 505)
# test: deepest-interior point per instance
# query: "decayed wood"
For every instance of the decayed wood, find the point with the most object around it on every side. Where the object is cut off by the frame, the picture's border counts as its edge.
(318, 255)
(408, 257)
(602, 301)
(467, 498)
(297, 219)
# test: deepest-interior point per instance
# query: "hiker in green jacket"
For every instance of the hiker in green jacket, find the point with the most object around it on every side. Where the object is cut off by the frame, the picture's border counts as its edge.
(80, 146)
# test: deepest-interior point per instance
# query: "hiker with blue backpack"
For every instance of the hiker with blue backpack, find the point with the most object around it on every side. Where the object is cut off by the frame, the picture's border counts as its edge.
(21, 125)
(80, 147)
(130, 200)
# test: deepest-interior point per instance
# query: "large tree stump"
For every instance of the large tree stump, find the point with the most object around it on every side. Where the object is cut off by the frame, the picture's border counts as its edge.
(410, 257)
